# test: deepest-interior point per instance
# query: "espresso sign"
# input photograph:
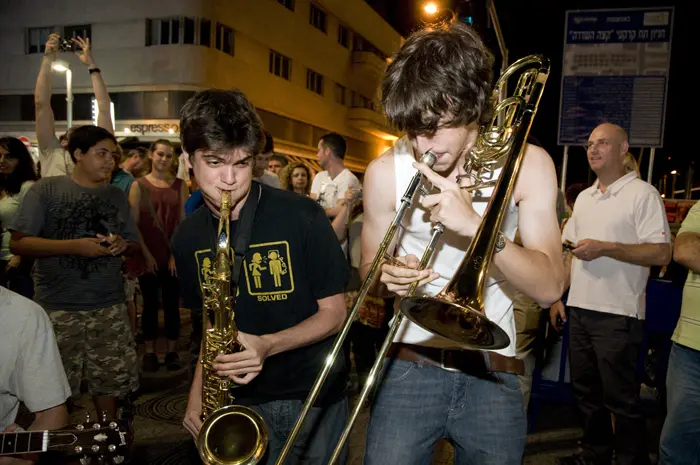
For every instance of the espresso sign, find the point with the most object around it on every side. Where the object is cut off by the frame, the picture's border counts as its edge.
(144, 129)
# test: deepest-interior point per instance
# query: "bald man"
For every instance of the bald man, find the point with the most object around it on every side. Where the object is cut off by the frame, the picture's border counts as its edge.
(617, 231)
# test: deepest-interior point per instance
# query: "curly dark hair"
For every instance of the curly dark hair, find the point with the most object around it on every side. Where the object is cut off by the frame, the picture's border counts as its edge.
(285, 175)
(441, 76)
(25, 169)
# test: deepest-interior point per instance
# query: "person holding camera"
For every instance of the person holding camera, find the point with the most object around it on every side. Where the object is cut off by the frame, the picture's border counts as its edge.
(53, 157)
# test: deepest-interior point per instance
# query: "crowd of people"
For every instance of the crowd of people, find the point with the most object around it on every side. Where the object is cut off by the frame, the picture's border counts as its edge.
(93, 222)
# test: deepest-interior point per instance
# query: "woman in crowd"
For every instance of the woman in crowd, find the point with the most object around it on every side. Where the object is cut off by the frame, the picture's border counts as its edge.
(296, 177)
(161, 197)
(17, 174)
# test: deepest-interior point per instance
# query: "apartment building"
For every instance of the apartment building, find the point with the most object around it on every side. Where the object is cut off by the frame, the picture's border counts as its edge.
(308, 66)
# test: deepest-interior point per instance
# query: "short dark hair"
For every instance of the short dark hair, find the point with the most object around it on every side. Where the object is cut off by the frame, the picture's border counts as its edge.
(281, 159)
(269, 143)
(444, 71)
(138, 151)
(336, 143)
(216, 119)
(86, 137)
(24, 171)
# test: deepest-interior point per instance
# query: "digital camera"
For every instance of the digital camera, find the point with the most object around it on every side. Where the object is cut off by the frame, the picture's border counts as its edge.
(66, 45)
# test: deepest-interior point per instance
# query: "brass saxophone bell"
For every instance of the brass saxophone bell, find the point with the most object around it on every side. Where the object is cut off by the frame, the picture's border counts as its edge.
(233, 435)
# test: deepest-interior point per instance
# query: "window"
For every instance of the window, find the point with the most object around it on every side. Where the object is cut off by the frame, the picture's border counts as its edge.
(37, 38)
(317, 18)
(314, 82)
(343, 36)
(83, 31)
(289, 4)
(224, 38)
(188, 37)
(360, 101)
(205, 33)
(339, 94)
(280, 65)
(163, 31)
(178, 30)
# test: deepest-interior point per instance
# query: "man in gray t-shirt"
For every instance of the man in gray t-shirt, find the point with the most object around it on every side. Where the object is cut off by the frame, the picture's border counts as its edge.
(78, 227)
(59, 209)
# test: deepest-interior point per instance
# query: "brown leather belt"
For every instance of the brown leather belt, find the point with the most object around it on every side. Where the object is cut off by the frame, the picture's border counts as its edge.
(467, 361)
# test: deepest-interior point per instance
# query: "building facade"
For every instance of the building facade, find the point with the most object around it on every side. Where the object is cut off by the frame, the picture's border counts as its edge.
(309, 67)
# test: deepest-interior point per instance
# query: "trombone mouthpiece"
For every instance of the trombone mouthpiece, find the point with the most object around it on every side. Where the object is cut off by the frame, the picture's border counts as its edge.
(428, 158)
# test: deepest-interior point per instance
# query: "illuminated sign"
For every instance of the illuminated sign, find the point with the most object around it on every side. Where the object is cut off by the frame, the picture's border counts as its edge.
(143, 129)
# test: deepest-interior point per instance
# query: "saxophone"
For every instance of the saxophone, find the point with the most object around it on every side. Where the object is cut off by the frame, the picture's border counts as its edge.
(231, 434)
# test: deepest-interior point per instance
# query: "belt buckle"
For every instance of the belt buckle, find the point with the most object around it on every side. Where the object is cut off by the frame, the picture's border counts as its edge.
(442, 363)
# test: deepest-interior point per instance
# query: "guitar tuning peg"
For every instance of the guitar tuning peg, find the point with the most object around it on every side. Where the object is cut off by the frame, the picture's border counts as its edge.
(118, 459)
(85, 460)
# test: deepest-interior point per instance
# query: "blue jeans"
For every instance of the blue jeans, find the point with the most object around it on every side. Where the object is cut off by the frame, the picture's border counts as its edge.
(318, 436)
(417, 404)
(680, 437)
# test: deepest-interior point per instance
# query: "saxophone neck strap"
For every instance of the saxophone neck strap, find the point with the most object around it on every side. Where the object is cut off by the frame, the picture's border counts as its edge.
(244, 229)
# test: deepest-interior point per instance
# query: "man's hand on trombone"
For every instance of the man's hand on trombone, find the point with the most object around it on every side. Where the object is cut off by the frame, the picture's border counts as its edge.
(398, 273)
(452, 206)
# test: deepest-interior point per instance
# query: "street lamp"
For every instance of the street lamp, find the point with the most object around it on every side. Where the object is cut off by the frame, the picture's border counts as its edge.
(63, 67)
(430, 8)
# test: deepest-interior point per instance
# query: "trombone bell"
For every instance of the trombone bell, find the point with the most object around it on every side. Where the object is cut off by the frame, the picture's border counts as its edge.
(460, 324)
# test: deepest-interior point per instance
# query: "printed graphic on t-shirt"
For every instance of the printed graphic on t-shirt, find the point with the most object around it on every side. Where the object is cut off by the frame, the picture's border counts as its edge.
(267, 268)
(88, 216)
(268, 271)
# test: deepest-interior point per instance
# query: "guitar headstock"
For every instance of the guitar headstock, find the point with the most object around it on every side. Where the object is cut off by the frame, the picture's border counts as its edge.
(107, 441)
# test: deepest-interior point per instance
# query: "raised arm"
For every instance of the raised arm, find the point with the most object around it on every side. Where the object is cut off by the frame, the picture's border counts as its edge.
(104, 115)
(45, 124)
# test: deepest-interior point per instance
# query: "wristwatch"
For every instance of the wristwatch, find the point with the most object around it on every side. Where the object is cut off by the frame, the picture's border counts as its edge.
(500, 243)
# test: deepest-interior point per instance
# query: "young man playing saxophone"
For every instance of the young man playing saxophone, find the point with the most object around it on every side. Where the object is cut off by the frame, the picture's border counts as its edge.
(438, 89)
(290, 299)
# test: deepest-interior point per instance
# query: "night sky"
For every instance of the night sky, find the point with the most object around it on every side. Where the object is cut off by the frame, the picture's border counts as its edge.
(538, 27)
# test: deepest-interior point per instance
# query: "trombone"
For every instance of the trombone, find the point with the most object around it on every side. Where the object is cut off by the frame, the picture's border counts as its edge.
(457, 312)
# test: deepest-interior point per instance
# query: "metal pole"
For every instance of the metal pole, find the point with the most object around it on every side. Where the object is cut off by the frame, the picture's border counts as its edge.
(651, 164)
(564, 166)
(69, 98)
(493, 16)
(673, 185)
(689, 183)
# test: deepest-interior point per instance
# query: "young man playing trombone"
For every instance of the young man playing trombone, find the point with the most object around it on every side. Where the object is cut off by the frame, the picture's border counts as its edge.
(438, 90)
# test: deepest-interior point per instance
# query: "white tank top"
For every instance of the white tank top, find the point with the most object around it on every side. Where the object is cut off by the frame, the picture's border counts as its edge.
(413, 238)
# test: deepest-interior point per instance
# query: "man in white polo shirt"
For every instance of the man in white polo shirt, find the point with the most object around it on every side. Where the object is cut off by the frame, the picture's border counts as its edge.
(618, 230)
(329, 186)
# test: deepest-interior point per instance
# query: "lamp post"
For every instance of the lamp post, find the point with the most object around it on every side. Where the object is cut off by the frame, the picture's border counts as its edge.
(63, 67)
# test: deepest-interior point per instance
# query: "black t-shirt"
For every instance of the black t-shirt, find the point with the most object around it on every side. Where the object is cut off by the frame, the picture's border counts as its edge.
(293, 260)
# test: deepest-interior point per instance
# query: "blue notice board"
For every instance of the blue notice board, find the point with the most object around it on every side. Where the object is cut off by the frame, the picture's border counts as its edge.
(616, 65)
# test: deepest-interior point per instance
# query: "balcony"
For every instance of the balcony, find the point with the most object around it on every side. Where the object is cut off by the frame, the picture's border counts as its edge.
(371, 122)
(367, 71)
